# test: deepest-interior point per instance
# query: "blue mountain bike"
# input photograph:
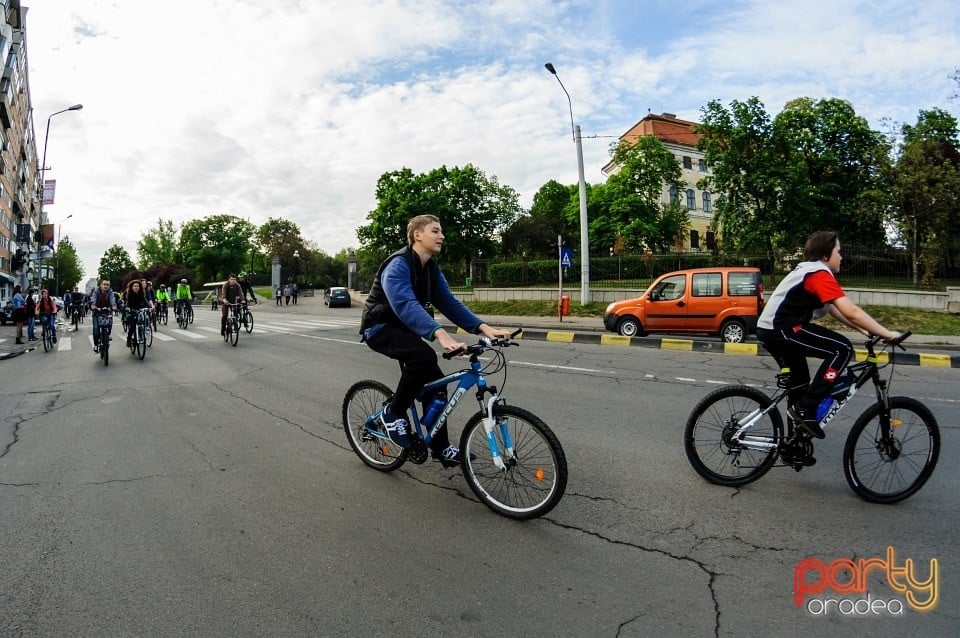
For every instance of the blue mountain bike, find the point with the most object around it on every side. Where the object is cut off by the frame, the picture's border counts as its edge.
(511, 459)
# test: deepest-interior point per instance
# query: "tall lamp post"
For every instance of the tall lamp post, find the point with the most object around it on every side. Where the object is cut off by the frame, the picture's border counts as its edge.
(584, 237)
(46, 138)
(351, 270)
(59, 277)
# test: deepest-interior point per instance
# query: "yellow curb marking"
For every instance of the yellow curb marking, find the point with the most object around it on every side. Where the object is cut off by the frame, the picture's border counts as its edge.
(563, 337)
(676, 344)
(740, 348)
(935, 360)
(614, 340)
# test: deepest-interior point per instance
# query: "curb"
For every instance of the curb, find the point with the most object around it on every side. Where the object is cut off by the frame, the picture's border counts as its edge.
(924, 359)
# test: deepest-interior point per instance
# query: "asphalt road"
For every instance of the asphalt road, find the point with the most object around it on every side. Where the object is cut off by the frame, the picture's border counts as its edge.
(210, 491)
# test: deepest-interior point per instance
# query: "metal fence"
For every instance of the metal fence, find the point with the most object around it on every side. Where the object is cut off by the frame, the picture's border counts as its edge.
(889, 267)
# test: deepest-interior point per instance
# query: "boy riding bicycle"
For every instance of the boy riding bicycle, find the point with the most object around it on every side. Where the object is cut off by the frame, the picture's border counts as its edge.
(398, 316)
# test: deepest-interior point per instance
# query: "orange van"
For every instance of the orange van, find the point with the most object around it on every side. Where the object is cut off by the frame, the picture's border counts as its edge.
(725, 301)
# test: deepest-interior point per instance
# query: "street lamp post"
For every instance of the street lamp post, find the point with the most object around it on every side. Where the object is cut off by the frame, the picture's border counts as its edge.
(584, 237)
(46, 138)
(296, 266)
(59, 276)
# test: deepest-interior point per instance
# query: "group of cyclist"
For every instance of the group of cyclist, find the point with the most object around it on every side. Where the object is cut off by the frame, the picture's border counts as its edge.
(140, 294)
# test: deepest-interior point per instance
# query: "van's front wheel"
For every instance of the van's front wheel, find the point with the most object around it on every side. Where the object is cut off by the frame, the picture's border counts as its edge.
(630, 327)
(733, 331)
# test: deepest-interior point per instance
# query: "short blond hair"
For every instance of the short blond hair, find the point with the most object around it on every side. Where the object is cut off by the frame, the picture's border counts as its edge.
(419, 223)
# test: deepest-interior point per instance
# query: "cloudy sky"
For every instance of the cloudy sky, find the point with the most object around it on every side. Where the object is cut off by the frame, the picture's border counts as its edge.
(294, 108)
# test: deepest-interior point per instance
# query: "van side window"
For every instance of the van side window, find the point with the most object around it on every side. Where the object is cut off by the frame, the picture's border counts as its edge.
(743, 284)
(709, 284)
(669, 289)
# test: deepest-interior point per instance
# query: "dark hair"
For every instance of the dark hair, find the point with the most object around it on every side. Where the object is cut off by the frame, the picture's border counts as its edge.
(819, 245)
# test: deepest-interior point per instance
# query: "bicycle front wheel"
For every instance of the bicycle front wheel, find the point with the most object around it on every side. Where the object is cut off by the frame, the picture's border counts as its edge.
(140, 343)
(887, 469)
(534, 476)
(710, 444)
(363, 400)
(47, 340)
(233, 331)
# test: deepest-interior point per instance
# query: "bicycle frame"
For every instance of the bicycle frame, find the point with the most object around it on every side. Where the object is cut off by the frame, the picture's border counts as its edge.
(465, 380)
(863, 371)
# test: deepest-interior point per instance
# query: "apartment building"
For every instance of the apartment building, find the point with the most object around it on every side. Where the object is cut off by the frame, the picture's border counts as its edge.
(20, 208)
(680, 138)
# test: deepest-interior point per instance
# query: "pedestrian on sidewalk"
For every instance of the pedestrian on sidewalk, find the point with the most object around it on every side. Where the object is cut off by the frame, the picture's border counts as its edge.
(19, 311)
(279, 296)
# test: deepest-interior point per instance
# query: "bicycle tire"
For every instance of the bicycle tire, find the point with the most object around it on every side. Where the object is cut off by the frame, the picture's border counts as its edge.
(148, 335)
(189, 314)
(706, 436)
(75, 320)
(182, 320)
(47, 339)
(140, 343)
(234, 332)
(878, 473)
(363, 399)
(535, 478)
(105, 348)
(248, 322)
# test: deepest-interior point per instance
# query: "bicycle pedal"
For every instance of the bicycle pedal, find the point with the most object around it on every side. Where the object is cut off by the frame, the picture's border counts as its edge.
(418, 453)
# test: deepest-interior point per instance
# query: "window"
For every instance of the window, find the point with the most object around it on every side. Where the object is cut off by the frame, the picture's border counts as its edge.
(687, 162)
(711, 240)
(669, 289)
(674, 195)
(743, 284)
(691, 199)
(695, 239)
(706, 202)
(708, 284)
(701, 166)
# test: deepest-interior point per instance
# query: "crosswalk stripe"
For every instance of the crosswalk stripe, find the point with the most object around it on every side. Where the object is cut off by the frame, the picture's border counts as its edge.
(186, 333)
(163, 337)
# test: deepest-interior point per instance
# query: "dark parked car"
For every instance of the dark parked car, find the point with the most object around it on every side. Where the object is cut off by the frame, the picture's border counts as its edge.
(335, 297)
(6, 313)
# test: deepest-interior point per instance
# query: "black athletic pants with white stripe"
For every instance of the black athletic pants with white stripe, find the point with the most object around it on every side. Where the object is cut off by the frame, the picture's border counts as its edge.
(792, 346)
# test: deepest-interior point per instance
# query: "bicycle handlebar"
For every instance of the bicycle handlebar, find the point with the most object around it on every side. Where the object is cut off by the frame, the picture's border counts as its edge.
(485, 343)
(874, 340)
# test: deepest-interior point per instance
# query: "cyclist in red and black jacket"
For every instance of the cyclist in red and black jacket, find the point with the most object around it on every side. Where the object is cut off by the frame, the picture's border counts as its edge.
(785, 326)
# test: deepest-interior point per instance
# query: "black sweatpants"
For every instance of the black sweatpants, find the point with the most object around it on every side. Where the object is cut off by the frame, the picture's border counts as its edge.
(791, 347)
(418, 366)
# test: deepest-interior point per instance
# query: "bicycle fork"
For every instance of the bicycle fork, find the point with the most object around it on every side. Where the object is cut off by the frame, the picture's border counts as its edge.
(489, 423)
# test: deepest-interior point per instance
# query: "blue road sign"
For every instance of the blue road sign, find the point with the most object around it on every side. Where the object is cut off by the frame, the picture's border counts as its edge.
(566, 257)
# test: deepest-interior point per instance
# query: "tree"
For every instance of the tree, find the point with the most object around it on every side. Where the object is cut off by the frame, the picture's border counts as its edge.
(816, 166)
(216, 246)
(473, 209)
(744, 156)
(633, 208)
(69, 268)
(114, 265)
(532, 234)
(831, 175)
(283, 238)
(158, 246)
(926, 187)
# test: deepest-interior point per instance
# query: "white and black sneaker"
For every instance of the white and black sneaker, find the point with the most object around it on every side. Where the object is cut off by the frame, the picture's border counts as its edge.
(398, 431)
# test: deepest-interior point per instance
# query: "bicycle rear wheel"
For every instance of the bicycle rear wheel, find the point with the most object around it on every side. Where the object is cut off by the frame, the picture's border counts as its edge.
(535, 476)
(363, 400)
(888, 470)
(248, 322)
(708, 438)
